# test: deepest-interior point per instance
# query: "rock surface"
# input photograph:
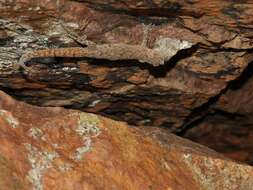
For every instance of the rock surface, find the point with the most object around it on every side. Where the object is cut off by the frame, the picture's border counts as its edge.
(187, 90)
(125, 90)
(55, 148)
(231, 135)
(227, 126)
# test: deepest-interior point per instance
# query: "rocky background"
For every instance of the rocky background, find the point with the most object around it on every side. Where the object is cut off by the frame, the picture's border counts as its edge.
(203, 93)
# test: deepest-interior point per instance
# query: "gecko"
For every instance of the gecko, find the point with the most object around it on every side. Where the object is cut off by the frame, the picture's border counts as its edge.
(163, 50)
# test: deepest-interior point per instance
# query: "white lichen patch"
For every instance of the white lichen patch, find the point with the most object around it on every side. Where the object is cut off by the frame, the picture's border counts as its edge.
(87, 129)
(168, 47)
(88, 125)
(65, 167)
(36, 133)
(78, 155)
(219, 174)
(7, 116)
(40, 161)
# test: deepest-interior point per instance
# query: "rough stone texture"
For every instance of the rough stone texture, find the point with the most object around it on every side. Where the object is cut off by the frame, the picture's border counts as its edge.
(55, 148)
(238, 99)
(130, 91)
(184, 91)
(227, 126)
(231, 135)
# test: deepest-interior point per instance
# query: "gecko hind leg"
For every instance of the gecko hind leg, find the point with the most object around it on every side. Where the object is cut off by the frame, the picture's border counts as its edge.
(146, 30)
(81, 40)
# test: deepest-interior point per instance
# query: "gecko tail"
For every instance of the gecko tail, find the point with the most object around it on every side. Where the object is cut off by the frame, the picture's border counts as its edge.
(61, 52)
(22, 62)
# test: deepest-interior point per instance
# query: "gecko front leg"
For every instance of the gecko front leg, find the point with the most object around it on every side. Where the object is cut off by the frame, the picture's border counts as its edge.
(83, 41)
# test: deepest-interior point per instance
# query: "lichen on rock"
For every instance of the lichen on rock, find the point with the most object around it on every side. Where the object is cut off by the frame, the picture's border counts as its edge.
(13, 122)
(40, 161)
(87, 129)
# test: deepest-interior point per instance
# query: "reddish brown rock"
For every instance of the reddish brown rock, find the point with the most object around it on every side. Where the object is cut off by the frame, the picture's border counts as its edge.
(54, 148)
(238, 99)
(190, 87)
(227, 126)
(126, 90)
(228, 134)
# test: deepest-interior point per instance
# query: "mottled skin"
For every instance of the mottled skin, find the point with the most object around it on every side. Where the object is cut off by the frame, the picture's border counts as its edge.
(163, 50)
(113, 52)
(105, 51)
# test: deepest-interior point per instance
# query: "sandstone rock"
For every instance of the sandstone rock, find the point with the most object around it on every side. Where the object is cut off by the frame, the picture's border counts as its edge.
(227, 126)
(126, 90)
(55, 148)
(187, 90)
(227, 134)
